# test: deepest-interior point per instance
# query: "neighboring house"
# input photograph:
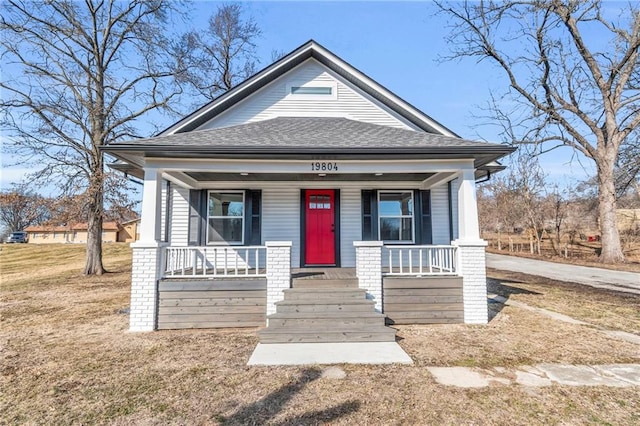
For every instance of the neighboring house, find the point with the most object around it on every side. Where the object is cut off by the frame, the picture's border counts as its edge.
(49, 234)
(129, 231)
(307, 168)
(70, 234)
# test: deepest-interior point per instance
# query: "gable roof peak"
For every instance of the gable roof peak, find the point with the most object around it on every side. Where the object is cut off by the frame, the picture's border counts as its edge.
(310, 49)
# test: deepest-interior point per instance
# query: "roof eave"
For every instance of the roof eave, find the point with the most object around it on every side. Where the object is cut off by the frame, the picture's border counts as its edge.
(214, 150)
(481, 155)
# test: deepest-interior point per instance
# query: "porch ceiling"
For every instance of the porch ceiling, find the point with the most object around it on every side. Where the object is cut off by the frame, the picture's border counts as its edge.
(295, 177)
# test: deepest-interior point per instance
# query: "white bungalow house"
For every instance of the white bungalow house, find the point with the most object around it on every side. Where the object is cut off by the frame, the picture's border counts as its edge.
(308, 169)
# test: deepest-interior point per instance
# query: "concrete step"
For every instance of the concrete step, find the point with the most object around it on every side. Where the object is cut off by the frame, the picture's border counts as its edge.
(325, 319)
(336, 334)
(326, 305)
(322, 283)
(320, 294)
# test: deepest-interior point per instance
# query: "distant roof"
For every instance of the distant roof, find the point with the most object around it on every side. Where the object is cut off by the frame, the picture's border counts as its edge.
(106, 226)
(46, 228)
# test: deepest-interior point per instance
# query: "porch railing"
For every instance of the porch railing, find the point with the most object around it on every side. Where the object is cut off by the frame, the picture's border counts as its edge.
(207, 262)
(420, 260)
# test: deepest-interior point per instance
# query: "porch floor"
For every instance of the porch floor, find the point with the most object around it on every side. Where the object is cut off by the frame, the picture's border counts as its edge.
(323, 273)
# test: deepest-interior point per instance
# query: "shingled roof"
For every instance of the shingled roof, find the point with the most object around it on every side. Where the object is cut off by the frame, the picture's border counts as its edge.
(303, 133)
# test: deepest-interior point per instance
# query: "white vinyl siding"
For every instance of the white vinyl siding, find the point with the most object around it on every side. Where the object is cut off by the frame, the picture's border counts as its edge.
(350, 225)
(281, 218)
(163, 211)
(179, 225)
(275, 100)
(455, 186)
(440, 214)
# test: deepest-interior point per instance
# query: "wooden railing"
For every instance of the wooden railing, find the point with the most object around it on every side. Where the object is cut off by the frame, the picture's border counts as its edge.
(420, 260)
(219, 262)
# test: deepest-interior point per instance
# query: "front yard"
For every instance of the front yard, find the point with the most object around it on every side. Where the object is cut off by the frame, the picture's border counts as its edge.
(66, 357)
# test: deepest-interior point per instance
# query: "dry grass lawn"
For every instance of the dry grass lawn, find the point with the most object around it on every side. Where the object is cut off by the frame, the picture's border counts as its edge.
(606, 309)
(66, 357)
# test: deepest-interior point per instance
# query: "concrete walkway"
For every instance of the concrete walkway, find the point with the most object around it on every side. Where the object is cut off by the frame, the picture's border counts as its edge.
(329, 353)
(595, 277)
(616, 375)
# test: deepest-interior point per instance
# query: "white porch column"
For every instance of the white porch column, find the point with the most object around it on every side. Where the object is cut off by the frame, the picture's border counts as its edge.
(147, 257)
(151, 205)
(278, 272)
(369, 269)
(468, 226)
(471, 252)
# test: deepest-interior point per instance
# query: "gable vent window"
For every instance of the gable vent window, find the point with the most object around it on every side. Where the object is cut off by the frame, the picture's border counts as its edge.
(310, 90)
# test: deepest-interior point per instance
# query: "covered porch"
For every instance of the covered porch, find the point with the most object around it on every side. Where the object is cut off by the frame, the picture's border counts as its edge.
(169, 252)
(256, 201)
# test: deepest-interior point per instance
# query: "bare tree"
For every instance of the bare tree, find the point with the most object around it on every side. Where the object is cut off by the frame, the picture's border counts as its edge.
(77, 76)
(20, 208)
(572, 68)
(627, 173)
(224, 53)
(527, 183)
(557, 204)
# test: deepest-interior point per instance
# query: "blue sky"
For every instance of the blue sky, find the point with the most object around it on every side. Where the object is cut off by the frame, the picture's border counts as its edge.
(398, 44)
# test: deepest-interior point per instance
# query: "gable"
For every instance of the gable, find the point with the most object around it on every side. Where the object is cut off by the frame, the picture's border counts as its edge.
(341, 99)
(335, 66)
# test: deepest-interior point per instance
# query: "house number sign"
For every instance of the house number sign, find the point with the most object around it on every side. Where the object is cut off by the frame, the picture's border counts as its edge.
(324, 166)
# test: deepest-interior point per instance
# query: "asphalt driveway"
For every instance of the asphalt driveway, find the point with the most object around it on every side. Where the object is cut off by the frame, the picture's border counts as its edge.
(596, 277)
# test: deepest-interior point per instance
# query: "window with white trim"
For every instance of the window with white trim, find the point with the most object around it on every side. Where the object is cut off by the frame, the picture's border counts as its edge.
(312, 90)
(225, 217)
(395, 216)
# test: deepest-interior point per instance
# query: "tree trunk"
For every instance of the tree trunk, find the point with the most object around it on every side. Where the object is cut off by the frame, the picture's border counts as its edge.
(611, 246)
(93, 265)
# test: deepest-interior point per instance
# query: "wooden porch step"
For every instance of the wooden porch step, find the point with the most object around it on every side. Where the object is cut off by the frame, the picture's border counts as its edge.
(317, 293)
(324, 335)
(325, 283)
(325, 305)
(325, 319)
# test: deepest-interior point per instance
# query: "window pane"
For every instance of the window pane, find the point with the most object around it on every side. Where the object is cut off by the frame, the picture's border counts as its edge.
(225, 204)
(297, 90)
(227, 229)
(389, 229)
(396, 204)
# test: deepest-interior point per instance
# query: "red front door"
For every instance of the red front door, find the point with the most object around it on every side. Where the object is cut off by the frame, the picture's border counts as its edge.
(320, 237)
